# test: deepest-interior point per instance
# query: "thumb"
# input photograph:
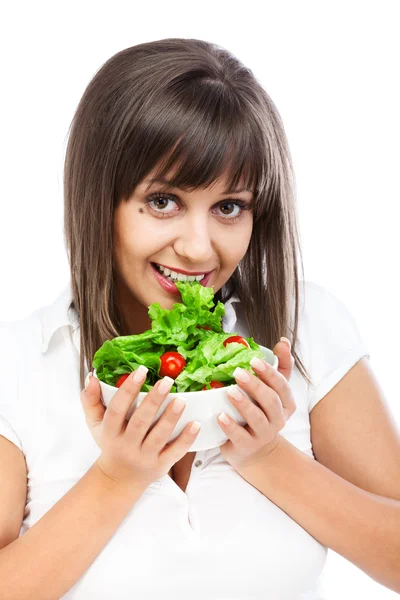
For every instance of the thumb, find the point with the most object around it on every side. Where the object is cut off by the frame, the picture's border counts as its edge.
(286, 361)
(91, 401)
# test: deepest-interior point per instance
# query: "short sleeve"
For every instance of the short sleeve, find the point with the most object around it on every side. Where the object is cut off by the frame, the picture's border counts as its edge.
(8, 432)
(332, 338)
(9, 385)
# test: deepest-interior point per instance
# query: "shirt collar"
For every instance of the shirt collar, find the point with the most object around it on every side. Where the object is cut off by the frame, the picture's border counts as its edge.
(57, 315)
(229, 320)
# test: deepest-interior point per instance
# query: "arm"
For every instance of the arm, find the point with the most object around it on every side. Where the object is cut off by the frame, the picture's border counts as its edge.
(50, 557)
(361, 526)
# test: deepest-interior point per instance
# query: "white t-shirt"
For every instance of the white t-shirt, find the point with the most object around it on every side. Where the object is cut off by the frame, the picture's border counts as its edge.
(222, 539)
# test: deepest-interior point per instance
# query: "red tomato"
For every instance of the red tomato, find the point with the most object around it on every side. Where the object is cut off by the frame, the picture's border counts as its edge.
(203, 327)
(238, 339)
(122, 379)
(214, 384)
(172, 363)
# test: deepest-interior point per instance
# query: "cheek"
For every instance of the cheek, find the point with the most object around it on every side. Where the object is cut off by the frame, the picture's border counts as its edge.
(134, 235)
(235, 243)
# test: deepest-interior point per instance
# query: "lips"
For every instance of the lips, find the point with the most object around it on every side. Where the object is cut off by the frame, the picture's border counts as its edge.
(169, 286)
(189, 273)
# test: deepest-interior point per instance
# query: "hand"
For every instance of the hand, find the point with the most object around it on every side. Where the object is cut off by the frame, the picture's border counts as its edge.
(130, 454)
(260, 436)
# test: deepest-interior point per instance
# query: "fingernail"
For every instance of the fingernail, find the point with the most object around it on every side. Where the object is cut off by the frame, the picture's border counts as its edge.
(139, 374)
(87, 381)
(241, 374)
(165, 385)
(235, 393)
(224, 418)
(257, 364)
(195, 427)
(178, 405)
(284, 339)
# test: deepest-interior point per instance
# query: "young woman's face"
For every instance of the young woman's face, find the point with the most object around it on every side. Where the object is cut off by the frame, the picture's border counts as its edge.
(201, 231)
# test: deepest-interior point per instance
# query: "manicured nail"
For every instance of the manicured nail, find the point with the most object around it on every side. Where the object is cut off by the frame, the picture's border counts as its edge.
(284, 339)
(241, 374)
(89, 375)
(139, 374)
(257, 364)
(224, 418)
(178, 405)
(235, 393)
(195, 427)
(165, 385)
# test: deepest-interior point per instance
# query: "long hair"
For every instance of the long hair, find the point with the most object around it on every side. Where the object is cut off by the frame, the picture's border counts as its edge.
(189, 104)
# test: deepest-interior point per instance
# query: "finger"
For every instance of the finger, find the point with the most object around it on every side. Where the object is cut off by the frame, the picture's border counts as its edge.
(259, 418)
(235, 432)
(91, 401)
(143, 416)
(175, 450)
(267, 375)
(285, 359)
(115, 415)
(159, 436)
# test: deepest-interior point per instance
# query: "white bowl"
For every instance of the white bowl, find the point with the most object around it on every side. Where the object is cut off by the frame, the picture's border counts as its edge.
(203, 406)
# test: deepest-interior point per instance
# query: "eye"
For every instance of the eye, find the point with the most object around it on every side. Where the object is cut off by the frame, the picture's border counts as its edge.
(233, 204)
(161, 200)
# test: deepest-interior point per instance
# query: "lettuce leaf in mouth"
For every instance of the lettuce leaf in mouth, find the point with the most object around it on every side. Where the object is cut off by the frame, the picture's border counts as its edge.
(180, 329)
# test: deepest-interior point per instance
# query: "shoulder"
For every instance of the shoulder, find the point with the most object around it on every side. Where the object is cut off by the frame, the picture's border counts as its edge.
(327, 329)
(20, 334)
(20, 340)
(319, 306)
(312, 293)
(330, 338)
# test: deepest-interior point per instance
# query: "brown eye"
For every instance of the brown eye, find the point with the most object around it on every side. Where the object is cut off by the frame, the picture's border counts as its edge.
(232, 217)
(157, 202)
(160, 202)
(231, 204)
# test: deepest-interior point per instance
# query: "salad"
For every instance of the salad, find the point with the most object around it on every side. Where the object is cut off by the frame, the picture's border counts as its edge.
(187, 343)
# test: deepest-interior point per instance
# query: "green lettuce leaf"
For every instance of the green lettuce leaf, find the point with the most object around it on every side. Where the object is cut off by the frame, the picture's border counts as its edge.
(180, 329)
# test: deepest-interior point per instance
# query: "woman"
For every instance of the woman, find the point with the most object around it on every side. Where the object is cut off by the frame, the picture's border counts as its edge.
(177, 158)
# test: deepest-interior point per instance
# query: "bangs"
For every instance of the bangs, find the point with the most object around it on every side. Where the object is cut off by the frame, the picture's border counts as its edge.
(191, 137)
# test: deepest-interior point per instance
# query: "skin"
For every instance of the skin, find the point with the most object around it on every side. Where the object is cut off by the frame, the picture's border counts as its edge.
(197, 235)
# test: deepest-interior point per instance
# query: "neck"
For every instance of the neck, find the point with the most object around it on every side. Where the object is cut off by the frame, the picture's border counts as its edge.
(133, 315)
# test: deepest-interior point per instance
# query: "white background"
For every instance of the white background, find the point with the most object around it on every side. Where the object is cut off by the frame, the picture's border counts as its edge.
(332, 69)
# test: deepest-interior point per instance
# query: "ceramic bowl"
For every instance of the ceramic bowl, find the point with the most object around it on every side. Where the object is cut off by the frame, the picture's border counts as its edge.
(203, 406)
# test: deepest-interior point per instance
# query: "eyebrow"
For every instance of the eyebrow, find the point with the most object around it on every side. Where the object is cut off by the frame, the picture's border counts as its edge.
(167, 183)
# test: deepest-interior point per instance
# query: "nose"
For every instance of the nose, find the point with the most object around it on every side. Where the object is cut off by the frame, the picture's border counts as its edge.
(195, 244)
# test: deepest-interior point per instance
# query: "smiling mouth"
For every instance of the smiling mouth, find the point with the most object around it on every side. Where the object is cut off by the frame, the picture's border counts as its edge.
(170, 285)
(172, 275)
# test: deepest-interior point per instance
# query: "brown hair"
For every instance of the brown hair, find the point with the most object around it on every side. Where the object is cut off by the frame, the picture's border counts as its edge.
(191, 104)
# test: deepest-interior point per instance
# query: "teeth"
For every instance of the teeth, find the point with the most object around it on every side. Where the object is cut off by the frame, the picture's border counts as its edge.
(179, 276)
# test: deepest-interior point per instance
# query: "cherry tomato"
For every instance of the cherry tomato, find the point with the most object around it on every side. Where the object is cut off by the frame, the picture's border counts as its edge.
(203, 327)
(122, 379)
(238, 339)
(214, 384)
(172, 363)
